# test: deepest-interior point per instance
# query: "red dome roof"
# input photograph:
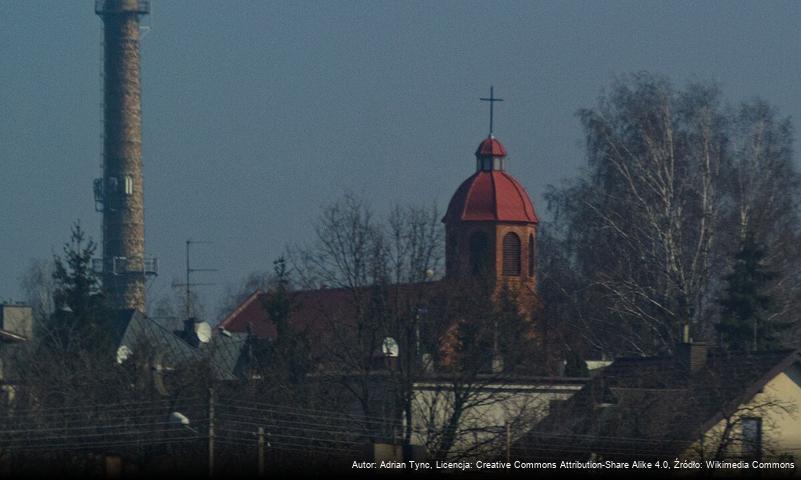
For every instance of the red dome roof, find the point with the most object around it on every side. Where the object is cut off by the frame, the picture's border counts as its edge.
(490, 147)
(491, 196)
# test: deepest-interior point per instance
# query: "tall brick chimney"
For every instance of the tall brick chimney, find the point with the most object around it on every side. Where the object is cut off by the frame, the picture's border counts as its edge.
(120, 190)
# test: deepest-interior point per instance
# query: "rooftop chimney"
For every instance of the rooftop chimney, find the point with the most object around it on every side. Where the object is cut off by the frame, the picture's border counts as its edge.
(691, 354)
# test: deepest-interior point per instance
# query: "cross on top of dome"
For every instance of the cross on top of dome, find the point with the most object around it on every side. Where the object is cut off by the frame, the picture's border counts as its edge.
(492, 99)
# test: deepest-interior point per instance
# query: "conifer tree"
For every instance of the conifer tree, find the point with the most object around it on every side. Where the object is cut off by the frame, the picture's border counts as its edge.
(82, 313)
(746, 307)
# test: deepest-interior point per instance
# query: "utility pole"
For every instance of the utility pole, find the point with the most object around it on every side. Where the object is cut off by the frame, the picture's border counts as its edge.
(508, 442)
(211, 431)
(261, 451)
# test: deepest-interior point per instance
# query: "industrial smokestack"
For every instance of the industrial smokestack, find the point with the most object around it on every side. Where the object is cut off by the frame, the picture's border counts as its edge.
(119, 193)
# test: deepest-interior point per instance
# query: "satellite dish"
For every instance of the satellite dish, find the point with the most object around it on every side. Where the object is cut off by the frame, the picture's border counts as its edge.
(390, 347)
(179, 418)
(203, 332)
(123, 353)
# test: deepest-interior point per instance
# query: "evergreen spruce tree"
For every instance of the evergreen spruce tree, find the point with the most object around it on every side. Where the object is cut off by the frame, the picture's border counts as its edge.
(746, 309)
(82, 315)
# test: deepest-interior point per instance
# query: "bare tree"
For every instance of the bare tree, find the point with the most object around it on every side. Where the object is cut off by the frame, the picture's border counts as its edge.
(416, 350)
(256, 280)
(484, 350)
(650, 228)
(381, 269)
(732, 438)
(39, 287)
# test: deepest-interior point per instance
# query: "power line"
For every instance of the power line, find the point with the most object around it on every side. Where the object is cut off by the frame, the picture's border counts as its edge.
(296, 437)
(84, 445)
(264, 407)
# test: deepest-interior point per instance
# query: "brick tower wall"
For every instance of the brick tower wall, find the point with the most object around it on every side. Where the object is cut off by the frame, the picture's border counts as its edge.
(457, 254)
(123, 209)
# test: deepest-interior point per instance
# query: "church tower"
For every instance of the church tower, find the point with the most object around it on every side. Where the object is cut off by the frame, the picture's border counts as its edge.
(490, 224)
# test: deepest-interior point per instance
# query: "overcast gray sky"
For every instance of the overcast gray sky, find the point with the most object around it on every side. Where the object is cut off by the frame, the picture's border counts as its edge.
(257, 113)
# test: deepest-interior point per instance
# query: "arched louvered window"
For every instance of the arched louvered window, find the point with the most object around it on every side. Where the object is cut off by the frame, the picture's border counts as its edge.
(531, 255)
(511, 254)
(479, 253)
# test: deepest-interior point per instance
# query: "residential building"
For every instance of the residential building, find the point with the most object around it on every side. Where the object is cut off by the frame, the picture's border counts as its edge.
(699, 404)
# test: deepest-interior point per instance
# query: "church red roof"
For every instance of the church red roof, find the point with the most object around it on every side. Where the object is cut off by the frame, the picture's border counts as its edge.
(491, 196)
(320, 314)
(490, 147)
(312, 307)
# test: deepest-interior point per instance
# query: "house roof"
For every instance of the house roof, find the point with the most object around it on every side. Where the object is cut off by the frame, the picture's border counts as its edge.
(652, 407)
(133, 329)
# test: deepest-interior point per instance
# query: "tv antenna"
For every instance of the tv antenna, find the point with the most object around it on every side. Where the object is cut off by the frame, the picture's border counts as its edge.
(188, 284)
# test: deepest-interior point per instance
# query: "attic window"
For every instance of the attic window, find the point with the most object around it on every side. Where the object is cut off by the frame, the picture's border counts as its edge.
(511, 254)
(752, 438)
